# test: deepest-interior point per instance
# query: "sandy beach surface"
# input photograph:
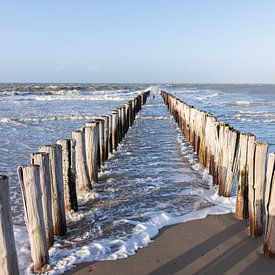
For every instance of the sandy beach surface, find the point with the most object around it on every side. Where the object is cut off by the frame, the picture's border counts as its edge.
(215, 245)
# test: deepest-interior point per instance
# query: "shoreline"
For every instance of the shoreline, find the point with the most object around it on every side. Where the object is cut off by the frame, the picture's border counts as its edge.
(218, 244)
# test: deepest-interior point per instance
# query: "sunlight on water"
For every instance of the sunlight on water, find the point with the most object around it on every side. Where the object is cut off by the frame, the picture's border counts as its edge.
(153, 180)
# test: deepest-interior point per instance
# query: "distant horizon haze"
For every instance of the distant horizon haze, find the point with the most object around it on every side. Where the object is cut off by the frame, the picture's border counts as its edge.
(138, 41)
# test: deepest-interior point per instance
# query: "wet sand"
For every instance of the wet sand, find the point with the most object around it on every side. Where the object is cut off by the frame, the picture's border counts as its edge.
(215, 245)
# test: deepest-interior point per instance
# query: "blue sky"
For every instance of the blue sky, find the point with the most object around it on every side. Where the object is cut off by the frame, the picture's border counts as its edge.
(137, 41)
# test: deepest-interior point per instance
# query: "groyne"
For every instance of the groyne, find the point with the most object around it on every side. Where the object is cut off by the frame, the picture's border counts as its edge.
(56, 175)
(232, 157)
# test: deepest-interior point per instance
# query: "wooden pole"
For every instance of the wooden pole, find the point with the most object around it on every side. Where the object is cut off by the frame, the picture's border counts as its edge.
(106, 137)
(32, 199)
(57, 189)
(242, 188)
(229, 162)
(8, 256)
(82, 178)
(69, 174)
(132, 104)
(101, 125)
(257, 153)
(130, 113)
(269, 237)
(92, 140)
(119, 111)
(43, 160)
(122, 108)
(114, 129)
(110, 140)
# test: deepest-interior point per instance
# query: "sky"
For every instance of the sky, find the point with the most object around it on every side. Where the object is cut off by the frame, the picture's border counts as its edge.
(148, 41)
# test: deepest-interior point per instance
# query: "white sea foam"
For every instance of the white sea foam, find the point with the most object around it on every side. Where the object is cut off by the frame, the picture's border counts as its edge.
(250, 103)
(253, 113)
(201, 98)
(21, 121)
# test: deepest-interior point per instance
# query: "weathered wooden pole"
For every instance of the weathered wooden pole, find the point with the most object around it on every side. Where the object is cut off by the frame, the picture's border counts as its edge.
(106, 137)
(119, 112)
(43, 160)
(269, 237)
(229, 162)
(114, 130)
(242, 187)
(92, 141)
(101, 126)
(130, 113)
(82, 179)
(69, 174)
(8, 256)
(202, 138)
(32, 199)
(122, 109)
(132, 104)
(58, 206)
(110, 140)
(256, 180)
(127, 123)
(210, 141)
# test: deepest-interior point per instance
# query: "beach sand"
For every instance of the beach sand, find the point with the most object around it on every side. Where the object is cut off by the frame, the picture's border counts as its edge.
(215, 245)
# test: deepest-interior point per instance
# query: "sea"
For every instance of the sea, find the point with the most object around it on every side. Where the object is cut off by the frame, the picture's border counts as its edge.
(153, 180)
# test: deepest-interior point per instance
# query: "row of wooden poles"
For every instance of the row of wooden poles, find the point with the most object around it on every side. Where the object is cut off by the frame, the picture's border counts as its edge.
(58, 173)
(231, 156)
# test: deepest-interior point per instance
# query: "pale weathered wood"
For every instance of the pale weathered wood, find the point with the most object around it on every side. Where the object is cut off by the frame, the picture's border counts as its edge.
(92, 140)
(210, 141)
(101, 127)
(32, 199)
(127, 114)
(122, 108)
(269, 237)
(69, 174)
(130, 113)
(242, 187)
(230, 158)
(82, 178)
(105, 136)
(114, 130)
(119, 129)
(43, 160)
(110, 140)
(58, 207)
(132, 104)
(8, 256)
(256, 179)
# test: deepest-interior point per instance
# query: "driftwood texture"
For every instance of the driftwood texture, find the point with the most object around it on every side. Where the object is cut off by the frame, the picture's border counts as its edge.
(257, 153)
(269, 237)
(92, 140)
(43, 160)
(242, 188)
(32, 198)
(8, 256)
(82, 178)
(69, 174)
(58, 208)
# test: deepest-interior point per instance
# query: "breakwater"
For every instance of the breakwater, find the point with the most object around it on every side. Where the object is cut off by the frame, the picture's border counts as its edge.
(230, 156)
(57, 174)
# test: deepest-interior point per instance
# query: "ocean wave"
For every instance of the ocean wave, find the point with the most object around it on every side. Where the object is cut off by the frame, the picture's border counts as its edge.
(250, 103)
(240, 114)
(6, 120)
(24, 120)
(267, 121)
(208, 96)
